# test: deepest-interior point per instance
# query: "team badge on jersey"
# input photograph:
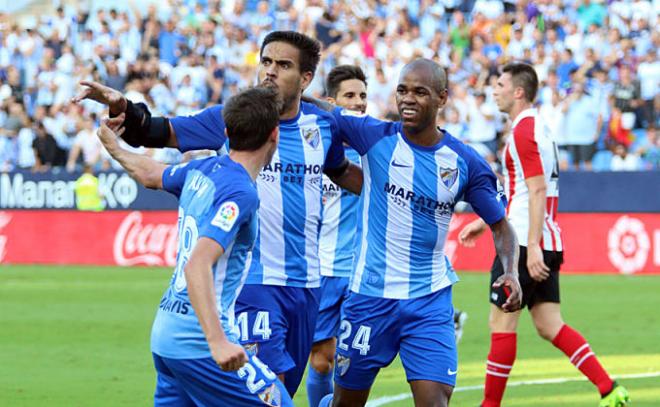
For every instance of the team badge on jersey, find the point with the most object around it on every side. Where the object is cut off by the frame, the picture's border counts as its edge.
(448, 176)
(226, 216)
(251, 348)
(271, 396)
(312, 136)
(343, 363)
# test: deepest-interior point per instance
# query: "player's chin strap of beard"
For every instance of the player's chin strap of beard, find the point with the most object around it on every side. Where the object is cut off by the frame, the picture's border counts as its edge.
(142, 129)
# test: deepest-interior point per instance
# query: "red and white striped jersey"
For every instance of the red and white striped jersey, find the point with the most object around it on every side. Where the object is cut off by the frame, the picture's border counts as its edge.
(531, 151)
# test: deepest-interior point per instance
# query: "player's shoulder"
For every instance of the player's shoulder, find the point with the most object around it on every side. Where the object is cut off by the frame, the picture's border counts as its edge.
(525, 124)
(468, 157)
(231, 178)
(461, 149)
(312, 109)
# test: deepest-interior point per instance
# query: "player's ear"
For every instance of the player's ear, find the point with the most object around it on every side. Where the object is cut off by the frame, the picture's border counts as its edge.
(306, 79)
(442, 97)
(331, 100)
(275, 135)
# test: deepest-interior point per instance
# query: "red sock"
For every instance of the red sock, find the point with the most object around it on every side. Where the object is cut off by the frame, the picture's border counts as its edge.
(581, 356)
(500, 362)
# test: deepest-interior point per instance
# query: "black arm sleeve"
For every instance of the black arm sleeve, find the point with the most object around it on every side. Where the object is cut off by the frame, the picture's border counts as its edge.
(339, 171)
(144, 130)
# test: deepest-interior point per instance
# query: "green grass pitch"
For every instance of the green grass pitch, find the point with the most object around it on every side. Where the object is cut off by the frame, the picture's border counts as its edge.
(79, 336)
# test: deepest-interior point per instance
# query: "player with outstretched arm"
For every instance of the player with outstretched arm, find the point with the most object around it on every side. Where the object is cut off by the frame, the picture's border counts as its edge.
(277, 308)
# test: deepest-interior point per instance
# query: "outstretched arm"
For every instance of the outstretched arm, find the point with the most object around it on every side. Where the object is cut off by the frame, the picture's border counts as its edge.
(321, 104)
(506, 246)
(141, 128)
(143, 169)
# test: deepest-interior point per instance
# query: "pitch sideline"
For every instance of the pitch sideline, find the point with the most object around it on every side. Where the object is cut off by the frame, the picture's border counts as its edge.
(381, 401)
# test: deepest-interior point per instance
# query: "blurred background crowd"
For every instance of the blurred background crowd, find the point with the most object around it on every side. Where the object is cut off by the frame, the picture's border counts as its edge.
(597, 61)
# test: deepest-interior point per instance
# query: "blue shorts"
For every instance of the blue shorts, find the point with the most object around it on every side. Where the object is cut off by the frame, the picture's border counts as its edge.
(200, 382)
(373, 330)
(333, 293)
(277, 323)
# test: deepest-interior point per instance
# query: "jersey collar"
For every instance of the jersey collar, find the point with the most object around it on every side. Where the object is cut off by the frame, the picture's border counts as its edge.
(531, 112)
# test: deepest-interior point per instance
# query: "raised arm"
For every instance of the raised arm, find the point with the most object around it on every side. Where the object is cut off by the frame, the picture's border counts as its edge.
(141, 128)
(143, 169)
(321, 104)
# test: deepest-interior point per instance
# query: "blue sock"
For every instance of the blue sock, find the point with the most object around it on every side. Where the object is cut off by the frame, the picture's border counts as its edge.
(326, 401)
(318, 386)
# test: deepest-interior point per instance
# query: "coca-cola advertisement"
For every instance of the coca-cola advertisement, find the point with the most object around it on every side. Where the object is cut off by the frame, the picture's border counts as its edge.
(595, 243)
(124, 238)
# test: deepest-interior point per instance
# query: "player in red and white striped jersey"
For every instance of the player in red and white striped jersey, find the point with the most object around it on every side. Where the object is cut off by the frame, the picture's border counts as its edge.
(531, 184)
(531, 165)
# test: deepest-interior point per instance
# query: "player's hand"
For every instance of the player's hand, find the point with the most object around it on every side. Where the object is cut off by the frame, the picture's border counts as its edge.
(471, 232)
(102, 94)
(110, 130)
(511, 287)
(537, 269)
(229, 356)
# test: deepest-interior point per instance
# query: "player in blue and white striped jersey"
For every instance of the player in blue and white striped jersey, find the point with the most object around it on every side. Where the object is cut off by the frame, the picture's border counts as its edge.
(278, 306)
(194, 338)
(346, 86)
(400, 299)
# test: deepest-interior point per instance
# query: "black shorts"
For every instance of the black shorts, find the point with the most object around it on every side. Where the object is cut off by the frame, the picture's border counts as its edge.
(581, 152)
(533, 291)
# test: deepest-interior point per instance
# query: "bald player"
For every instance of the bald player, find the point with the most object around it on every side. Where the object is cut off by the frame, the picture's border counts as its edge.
(400, 299)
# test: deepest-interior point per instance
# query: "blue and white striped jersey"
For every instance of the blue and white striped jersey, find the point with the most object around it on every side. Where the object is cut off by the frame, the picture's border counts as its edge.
(341, 211)
(409, 195)
(286, 252)
(218, 200)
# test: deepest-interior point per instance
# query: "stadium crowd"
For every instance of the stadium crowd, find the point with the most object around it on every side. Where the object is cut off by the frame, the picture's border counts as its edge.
(597, 62)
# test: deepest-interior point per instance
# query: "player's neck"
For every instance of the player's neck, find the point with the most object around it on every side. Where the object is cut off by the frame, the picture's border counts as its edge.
(292, 111)
(518, 108)
(252, 161)
(427, 137)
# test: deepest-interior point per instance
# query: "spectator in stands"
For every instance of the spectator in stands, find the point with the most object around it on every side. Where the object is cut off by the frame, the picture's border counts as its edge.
(482, 129)
(649, 149)
(450, 121)
(648, 72)
(623, 160)
(582, 126)
(148, 50)
(25, 154)
(86, 146)
(7, 153)
(627, 97)
(47, 154)
(553, 116)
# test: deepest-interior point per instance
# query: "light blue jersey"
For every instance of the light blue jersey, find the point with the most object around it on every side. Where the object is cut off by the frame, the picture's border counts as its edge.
(339, 230)
(226, 212)
(286, 252)
(409, 195)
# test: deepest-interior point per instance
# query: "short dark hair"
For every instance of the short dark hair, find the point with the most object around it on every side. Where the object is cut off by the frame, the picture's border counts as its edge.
(342, 73)
(438, 79)
(250, 117)
(310, 49)
(524, 76)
